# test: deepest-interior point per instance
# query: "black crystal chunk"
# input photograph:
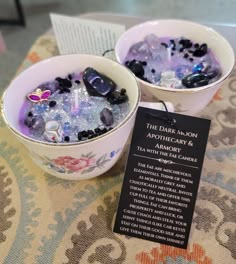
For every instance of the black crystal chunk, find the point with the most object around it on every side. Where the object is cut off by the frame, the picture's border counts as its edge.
(97, 84)
(136, 67)
(195, 80)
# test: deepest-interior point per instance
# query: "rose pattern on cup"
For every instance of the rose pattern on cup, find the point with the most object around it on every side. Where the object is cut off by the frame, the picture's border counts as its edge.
(73, 164)
(68, 164)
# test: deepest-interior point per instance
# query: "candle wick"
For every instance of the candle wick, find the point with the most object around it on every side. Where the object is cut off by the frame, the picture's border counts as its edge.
(169, 53)
(76, 94)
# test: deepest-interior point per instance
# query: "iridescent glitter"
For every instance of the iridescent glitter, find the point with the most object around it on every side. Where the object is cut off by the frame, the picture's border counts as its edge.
(71, 111)
(173, 62)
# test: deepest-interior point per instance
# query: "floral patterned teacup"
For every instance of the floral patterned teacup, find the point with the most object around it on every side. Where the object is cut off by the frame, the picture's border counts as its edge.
(85, 159)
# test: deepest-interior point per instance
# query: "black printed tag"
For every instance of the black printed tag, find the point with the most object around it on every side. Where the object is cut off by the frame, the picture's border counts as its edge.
(162, 176)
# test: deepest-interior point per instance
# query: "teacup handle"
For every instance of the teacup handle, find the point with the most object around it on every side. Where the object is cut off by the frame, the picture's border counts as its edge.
(158, 105)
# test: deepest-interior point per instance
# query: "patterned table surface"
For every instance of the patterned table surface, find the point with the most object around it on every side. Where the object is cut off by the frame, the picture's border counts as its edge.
(48, 220)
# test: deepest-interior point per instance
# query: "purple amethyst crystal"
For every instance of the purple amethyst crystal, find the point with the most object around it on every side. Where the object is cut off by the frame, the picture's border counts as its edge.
(106, 117)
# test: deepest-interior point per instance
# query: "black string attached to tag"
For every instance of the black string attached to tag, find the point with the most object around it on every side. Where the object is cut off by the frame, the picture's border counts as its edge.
(168, 118)
(106, 51)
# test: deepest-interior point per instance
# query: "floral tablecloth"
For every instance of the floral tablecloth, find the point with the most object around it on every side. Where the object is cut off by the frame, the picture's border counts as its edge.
(48, 220)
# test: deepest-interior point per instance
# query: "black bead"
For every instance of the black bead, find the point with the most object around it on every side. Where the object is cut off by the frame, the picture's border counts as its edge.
(90, 132)
(186, 43)
(172, 54)
(172, 43)
(196, 45)
(67, 138)
(77, 81)
(186, 55)
(201, 51)
(97, 130)
(153, 70)
(181, 49)
(84, 133)
(58, 79)
(191, 59)
(67, 90)
(30, 114)
(104, 130)
(144, 63)
(52, 103)
(69, 76)
(65, 83)
(79, 136)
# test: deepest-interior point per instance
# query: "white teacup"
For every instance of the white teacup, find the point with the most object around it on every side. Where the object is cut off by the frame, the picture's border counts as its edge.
(186, 101)
(80, 160)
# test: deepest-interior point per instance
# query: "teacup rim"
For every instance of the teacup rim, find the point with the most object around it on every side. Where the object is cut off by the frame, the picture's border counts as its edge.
(182, 90)
(70, 144)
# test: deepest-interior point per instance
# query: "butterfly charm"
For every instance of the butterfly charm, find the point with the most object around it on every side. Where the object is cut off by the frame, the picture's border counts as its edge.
(39, 95)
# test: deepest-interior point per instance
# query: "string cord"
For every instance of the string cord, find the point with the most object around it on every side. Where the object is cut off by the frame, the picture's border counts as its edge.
(106, 51)
(168, 118)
